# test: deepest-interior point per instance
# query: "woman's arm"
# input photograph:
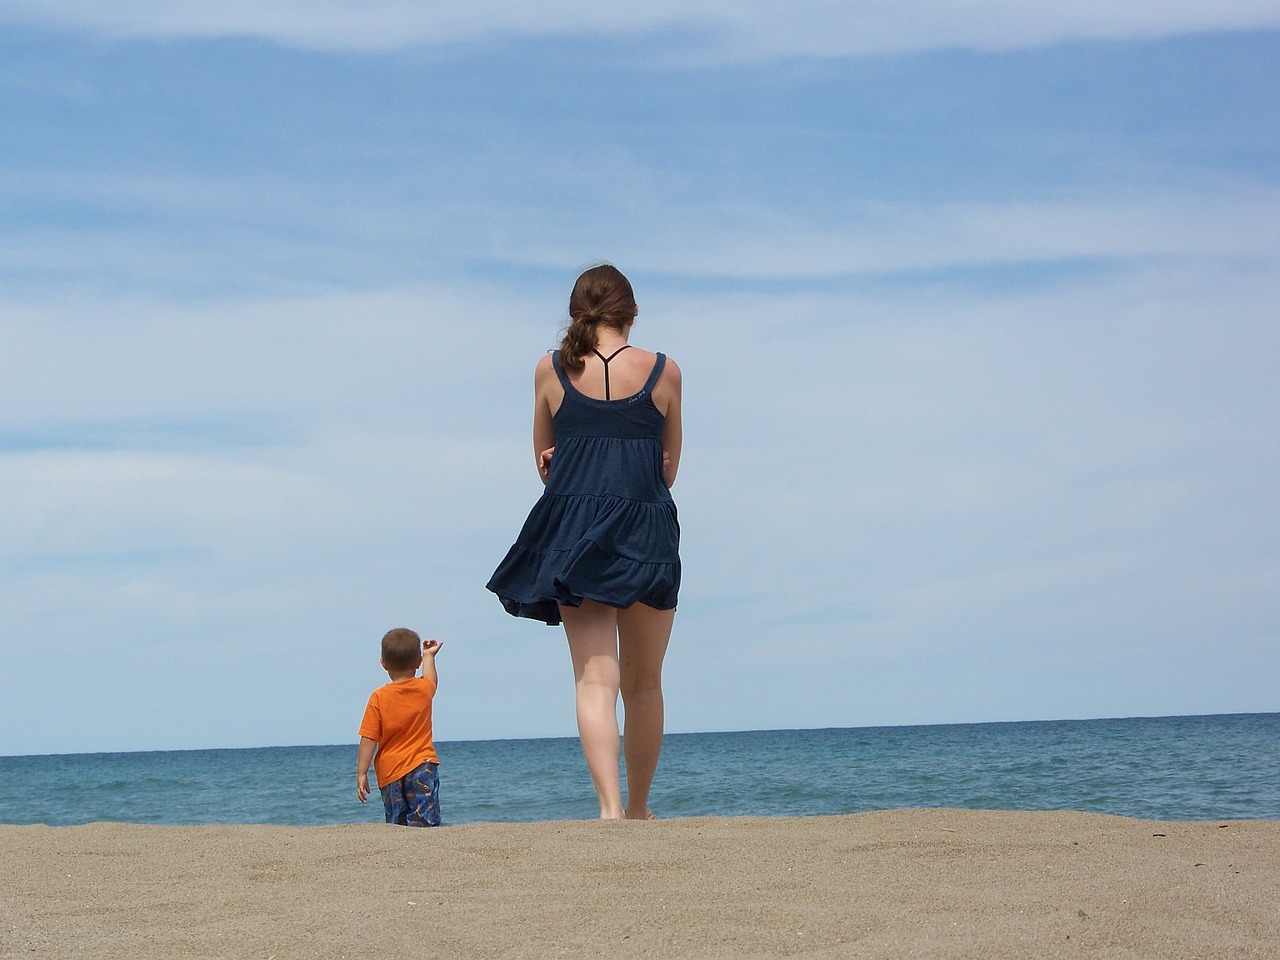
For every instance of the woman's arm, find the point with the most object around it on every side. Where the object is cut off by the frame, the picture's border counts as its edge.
(667, 397)
(545, 384)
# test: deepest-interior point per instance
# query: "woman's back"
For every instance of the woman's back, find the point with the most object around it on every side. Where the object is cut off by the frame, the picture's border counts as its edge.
(627, 369)
(609, 447)
(624, 375)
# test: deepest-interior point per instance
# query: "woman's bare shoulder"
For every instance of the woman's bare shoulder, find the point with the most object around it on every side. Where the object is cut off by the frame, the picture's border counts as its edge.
(544, 369)
(671, 371)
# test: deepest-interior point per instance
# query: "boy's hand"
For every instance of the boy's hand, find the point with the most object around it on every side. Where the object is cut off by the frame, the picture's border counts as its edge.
(362, 786)
(431, 647)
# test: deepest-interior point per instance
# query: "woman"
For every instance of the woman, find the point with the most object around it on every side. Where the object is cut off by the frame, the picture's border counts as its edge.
(600, 550)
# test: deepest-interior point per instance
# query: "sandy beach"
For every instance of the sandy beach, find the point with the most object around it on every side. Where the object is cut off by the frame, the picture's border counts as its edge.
(908, 883)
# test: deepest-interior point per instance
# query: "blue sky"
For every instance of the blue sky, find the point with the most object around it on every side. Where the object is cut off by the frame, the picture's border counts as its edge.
(977, 307)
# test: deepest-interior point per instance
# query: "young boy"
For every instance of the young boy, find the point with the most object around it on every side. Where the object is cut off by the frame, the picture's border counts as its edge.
(397, 725)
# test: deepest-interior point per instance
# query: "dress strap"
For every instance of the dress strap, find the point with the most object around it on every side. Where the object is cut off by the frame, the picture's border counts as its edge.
(655, 373)
(606, 365)
(561, 375)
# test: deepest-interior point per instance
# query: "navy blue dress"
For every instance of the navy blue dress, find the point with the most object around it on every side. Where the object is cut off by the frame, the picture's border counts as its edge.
(605, 527)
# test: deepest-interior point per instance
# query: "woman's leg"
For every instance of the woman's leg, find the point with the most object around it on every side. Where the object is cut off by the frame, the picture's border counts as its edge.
(643, 635)
(592, 630)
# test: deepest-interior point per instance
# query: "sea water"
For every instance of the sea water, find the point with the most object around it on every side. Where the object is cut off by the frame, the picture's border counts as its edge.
(1167, 768)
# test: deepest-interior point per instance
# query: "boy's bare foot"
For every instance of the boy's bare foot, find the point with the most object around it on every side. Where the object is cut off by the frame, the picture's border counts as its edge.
(647, 815)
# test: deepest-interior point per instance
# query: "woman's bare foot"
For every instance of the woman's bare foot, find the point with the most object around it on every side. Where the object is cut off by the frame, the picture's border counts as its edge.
(611, 811)
(647, 815)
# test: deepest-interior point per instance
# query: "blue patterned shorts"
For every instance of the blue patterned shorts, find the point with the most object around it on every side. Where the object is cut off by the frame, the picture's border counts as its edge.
(414, 799)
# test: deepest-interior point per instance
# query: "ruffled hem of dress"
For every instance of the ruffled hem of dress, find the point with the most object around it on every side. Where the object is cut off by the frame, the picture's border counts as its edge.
(533, 585)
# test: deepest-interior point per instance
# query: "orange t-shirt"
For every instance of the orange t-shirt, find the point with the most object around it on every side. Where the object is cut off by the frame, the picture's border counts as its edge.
(399, 718)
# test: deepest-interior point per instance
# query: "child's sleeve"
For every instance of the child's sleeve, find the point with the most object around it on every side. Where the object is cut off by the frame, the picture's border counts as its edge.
(371, 724)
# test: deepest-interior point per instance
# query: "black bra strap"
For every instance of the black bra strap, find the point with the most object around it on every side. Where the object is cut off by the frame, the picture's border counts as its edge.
(606, 365)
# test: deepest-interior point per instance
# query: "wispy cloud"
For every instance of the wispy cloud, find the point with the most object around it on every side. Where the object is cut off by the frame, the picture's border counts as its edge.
(887, 238)
(311, 247)
(714, 28)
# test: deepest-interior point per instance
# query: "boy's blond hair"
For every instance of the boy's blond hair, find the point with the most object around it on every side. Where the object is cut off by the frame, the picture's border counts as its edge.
(401, 649)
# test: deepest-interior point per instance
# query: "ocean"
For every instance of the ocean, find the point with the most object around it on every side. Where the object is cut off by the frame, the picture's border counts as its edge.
(1166, 768)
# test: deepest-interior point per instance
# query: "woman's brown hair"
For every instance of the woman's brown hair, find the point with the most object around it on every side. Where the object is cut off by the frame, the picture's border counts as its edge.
(602, 295)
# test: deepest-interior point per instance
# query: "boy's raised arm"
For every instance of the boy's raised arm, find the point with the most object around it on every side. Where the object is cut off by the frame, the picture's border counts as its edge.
(429, 650)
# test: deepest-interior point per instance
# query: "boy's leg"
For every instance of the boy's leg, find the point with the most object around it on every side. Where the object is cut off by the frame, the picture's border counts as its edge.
(394, 804)
(422, 796)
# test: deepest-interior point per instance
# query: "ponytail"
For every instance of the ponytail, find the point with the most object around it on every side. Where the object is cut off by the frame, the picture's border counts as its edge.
(601, 296)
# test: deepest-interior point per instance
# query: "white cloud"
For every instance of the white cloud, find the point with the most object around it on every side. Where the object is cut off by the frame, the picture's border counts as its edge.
(767, 29)
(872, 481)
(767, 243)
(759, 241)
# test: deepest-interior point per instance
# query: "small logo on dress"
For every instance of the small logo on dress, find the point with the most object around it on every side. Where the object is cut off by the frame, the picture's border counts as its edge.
(638, 396)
